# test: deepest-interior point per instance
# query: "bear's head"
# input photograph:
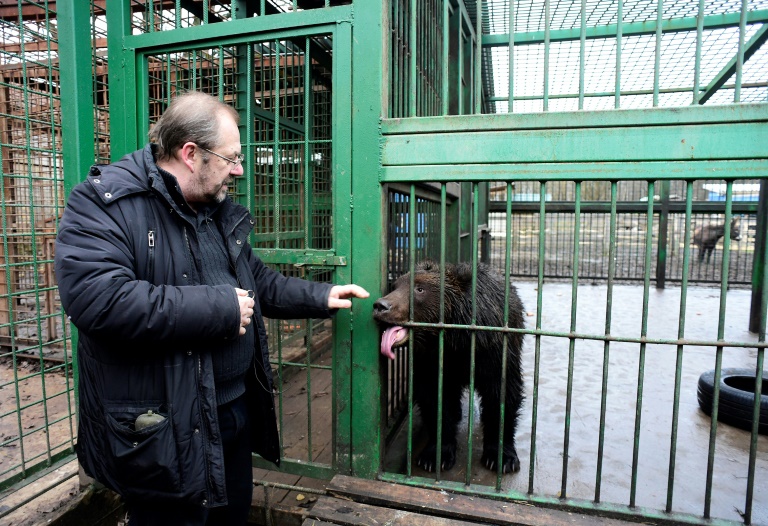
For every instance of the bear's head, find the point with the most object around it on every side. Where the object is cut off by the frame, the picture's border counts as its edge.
(393, 310)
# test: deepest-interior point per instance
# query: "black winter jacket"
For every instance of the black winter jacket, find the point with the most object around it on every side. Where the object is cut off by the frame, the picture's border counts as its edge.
(125, 257)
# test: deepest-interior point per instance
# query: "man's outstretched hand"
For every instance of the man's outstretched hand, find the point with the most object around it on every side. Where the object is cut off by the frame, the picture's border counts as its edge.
(337, 299)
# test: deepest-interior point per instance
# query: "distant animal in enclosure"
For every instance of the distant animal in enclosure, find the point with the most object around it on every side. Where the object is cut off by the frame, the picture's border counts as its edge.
(706, 236)
(392, 311)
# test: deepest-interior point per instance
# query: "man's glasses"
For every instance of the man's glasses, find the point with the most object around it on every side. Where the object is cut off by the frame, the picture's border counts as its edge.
(238, 160)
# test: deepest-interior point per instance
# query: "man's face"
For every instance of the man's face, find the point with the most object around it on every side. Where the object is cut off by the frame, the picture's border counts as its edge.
(213, 175)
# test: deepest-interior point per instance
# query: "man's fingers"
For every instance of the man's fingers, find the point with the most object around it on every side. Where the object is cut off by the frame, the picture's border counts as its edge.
(352, 290)
(337, 298)
(335, 303)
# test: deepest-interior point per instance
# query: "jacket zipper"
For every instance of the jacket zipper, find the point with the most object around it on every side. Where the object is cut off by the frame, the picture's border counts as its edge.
(203, 422)
(203, 430)
(151, 244)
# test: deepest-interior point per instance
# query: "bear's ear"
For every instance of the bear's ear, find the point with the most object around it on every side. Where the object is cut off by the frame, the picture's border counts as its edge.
(462, 273)
(428, 266)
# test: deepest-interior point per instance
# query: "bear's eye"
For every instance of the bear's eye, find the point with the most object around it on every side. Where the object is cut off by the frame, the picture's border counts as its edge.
(420, 290)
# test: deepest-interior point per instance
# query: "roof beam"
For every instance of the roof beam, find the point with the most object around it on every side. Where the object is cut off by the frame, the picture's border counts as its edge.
(631, 29)
(757, 40)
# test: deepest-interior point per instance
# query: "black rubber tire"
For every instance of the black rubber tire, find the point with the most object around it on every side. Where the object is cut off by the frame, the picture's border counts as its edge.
(737, 397)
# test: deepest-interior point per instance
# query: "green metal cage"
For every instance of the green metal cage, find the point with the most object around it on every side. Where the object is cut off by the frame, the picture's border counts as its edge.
(574, 146)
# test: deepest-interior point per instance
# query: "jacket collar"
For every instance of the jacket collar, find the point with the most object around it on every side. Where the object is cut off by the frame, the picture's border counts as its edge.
(138, 173)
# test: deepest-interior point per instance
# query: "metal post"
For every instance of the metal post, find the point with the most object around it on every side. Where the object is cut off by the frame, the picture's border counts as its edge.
(757, 309)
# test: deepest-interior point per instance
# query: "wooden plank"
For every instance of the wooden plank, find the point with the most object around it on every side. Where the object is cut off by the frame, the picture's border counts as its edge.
(441, 503)
(315, 522)
(347, 513)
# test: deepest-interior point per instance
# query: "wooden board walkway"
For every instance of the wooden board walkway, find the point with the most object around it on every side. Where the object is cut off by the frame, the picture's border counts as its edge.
(350, 501)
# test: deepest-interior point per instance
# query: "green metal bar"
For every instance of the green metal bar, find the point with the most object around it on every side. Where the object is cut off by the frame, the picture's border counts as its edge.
(619, 32)
(445, 70)
(547, 18)
(662, 170)
(365, 111)
(122, 124)
(344, 435)
(719, 350)
(308, 350)
(537, 337)
(606, 345)
(740, 53)
(441, 335)
(460, 67)
(759, 263)
(276, 146)
(753, 438)
(412, 277)
(301, 23)
(511, 48)
(680, 348)
(643, 334)
(306, 145)
(295, 467)
(757, 40)
(412, 59)
(663, 236)
(571, 342)
(632, 29)
(742, 113)
(249, 199)
(699, 42)
(473, 335)
(657, 52)
(582, 51)
(478, 59)
(77, 127)
(505, 346)
(595, 337)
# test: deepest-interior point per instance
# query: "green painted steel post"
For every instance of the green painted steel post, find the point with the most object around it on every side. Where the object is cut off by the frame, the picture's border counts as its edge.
(77, 126)
(122, 81)
(345, 407)
(759, 268)
(661, 251)
(368, 105)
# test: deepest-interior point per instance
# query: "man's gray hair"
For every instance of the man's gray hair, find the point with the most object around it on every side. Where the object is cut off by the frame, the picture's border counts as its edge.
(191, 117)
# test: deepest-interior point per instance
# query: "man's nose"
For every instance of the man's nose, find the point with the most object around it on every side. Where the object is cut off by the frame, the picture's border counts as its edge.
(237, 169)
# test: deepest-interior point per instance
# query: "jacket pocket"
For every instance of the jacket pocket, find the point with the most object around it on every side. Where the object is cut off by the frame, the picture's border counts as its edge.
(146, 459)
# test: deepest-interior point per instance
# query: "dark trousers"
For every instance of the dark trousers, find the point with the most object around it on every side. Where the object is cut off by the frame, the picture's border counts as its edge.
(235, 433)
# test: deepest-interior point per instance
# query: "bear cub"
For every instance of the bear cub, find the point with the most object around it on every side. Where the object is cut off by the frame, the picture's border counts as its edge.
(392, 311)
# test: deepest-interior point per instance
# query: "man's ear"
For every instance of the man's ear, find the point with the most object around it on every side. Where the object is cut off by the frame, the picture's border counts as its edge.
(188, 154)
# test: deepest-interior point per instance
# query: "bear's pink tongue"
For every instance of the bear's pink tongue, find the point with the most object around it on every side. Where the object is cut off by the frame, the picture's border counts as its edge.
(390, 337)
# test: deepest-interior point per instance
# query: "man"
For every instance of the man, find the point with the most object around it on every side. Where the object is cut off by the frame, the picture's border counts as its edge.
(155, 271)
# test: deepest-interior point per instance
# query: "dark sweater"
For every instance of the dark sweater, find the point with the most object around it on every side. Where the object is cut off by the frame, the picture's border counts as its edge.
(233, 358)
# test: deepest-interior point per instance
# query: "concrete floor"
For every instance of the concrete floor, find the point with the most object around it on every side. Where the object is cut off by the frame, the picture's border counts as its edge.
(732, 444)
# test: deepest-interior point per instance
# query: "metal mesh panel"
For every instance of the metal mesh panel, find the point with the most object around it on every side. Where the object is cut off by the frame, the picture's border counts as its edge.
(100, 87)
(37, 415)
(150, 16)
(609, 56)
(549, 65)
(293, 170)
(632, 198)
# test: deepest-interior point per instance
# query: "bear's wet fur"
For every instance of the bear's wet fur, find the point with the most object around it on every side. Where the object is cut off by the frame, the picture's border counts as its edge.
(392, 311)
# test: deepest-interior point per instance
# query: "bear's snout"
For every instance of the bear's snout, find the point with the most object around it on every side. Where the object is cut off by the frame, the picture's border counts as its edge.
(382, 306)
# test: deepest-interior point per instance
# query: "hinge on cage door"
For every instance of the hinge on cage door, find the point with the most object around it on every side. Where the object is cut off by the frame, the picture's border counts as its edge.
(301, 259)
(325, 261)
